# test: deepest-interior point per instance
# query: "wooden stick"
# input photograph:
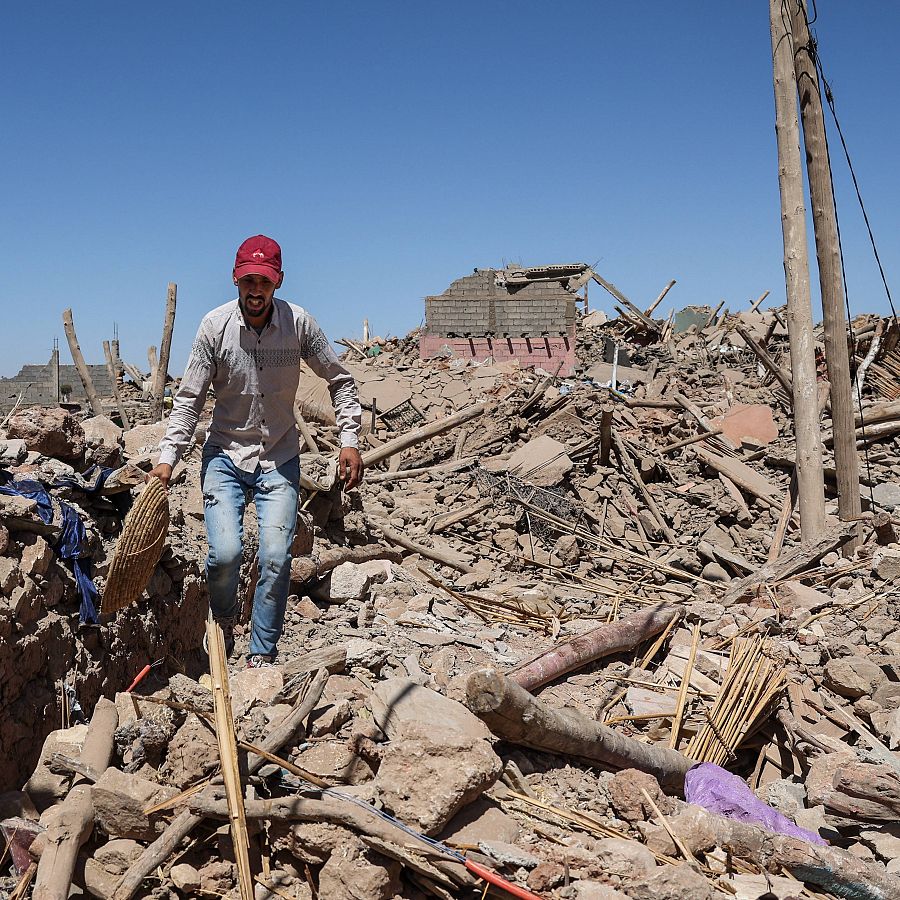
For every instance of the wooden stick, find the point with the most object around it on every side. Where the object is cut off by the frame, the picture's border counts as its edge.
(783, 378)
(606, 438)
(515, 715)
(758, 301)
(693, 439)
(659, 299)
(111, 369)
(418, 435)
(401, 540)
(583, 649)
(290, 728)
(83, 372)
(644, 491)
(442, 522)
(154, 368)
(227, 741)
(69, 824)
(682, 694)
(165, 347)
(440, 469)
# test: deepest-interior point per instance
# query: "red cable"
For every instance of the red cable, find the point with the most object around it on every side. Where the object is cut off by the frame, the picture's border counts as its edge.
(139, 678)
(500, 882)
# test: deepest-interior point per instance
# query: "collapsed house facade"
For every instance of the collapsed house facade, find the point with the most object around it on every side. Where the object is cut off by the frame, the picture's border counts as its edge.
(526, 314)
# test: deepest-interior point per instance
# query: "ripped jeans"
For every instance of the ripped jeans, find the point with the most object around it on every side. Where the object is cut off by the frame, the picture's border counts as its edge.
(226, 490)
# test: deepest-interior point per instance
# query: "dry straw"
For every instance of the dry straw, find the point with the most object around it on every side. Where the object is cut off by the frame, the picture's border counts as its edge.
(139, 548)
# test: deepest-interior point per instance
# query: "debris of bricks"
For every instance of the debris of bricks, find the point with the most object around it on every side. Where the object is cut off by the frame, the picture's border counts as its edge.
(563, 642)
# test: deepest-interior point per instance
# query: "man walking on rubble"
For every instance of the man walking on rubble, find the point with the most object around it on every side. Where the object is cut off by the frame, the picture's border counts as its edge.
(249, 350)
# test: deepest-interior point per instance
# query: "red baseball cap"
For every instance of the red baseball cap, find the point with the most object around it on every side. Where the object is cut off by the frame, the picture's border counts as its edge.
(258, 255)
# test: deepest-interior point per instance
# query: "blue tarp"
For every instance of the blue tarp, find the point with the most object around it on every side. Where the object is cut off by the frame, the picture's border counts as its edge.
(71, 542)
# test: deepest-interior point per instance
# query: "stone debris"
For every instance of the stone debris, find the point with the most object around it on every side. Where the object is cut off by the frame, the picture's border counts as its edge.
(569, 503)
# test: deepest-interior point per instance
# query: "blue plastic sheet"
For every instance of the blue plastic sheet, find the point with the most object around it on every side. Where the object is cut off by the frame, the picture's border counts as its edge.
(71, 542)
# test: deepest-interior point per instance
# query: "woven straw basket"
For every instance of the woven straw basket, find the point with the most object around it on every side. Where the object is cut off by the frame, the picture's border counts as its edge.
(139, 548)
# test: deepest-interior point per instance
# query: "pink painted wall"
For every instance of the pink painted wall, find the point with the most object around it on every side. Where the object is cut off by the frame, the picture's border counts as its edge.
(546, 352)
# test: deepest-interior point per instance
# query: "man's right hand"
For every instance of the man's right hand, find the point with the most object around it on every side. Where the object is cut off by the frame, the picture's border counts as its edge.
(163, 472)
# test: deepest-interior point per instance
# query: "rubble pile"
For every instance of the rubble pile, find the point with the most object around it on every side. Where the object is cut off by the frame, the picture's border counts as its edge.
(564, 638)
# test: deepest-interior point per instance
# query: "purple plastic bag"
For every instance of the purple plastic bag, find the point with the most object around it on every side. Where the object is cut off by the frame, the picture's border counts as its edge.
(718, 791)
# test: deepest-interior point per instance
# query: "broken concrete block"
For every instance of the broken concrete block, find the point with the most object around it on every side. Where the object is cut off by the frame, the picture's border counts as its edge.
(353, 872)
(10, 575)
(12, 452)
(853, 676)
(45, 788)
(253, 687)
(886, 564)
(185, 878)
(679, 882)
(542, 461)
(509, 855)
(481, 820)
(627, 859)
(36, 557)
(404, 709)
(104, 440)
(347, 581)
(109, 863)
(426, 781)
(50, 431)
(119, 801)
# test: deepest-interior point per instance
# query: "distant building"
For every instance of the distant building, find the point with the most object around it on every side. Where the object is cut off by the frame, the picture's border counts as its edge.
(527, 314)
(36, 385)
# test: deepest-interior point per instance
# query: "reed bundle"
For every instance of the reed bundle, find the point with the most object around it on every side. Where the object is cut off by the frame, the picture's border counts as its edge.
(752, 681)
(138, 549)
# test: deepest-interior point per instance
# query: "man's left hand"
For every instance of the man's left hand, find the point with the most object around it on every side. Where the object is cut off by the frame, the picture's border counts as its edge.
(350, 467)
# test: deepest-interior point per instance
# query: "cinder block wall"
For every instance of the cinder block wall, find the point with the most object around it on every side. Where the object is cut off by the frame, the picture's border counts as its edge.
(475, 306)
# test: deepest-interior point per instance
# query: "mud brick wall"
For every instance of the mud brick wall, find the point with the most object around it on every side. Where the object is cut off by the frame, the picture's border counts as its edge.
(478, 318)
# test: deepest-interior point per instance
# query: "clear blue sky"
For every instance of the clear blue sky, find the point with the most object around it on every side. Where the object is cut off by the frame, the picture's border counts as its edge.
(394, 146)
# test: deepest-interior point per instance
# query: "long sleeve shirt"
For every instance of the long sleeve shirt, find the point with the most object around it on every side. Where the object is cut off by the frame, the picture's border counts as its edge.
(254, 376)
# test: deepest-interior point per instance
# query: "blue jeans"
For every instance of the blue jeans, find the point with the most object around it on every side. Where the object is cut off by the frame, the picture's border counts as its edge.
(226, 490)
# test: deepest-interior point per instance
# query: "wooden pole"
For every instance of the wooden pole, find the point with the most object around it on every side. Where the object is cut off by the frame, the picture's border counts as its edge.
(78, 359)
(162, 370)
(810, 476)
(54, 372)
(111, 368)
(154, 365)
(831, 285)
(658, 300)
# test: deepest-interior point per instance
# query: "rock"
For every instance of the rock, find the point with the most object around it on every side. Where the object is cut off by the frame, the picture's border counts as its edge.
(50, 431)
(884, 841)
(853, 676)
(12, 452)
(45, 788)
(887, 495)
(542, 461)
(104, 440)
(404, 709)
(763, 887)
(193, 754)
(10, 575)
(886, 564)
(110, 861)
(785, 796)
(712, 571)
(545, 877)
(251, 687)
(480, 821)
(353, 872)
(509, 855)
(627, 859)
(185, 878)
(671, 883)
(594, 890)
(119, 801)
(887, 694)
(217, 877)
(36, 557)
(329, 719)
(346, 582)
(143, 438)
(426, 781)
(627, 799)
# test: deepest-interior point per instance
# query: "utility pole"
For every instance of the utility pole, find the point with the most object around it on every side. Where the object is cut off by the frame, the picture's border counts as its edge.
(810, 477)
(831, 285)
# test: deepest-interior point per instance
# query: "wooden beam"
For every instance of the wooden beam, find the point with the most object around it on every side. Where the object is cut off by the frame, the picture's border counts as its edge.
(111, 369)
(165, 347)
(831, 284)
(83, 372)
(810, 477)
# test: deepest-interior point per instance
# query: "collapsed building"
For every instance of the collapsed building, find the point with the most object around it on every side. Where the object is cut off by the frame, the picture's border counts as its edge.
(566, 629)
(514, 313)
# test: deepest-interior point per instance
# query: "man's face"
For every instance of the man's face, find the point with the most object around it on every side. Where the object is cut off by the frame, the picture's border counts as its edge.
(255, 293)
